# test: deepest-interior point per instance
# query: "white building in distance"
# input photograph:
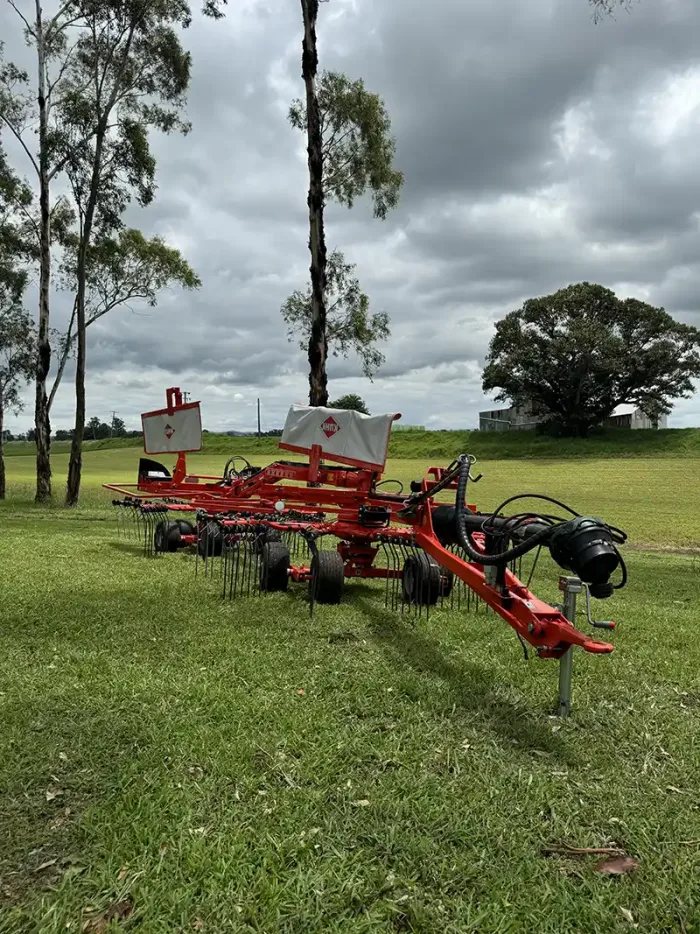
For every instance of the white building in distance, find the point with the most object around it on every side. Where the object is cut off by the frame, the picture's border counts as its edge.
(521, 418)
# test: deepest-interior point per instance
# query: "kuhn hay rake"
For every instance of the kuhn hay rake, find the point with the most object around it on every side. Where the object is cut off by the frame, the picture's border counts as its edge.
(267, 526)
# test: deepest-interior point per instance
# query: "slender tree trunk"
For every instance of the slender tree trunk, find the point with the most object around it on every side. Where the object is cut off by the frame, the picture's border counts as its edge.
(75, 463)
(42, 425)
(318, 341)
(2, 446)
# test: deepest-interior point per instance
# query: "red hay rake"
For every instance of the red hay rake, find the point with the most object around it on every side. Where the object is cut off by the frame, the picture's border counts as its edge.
(320, 524)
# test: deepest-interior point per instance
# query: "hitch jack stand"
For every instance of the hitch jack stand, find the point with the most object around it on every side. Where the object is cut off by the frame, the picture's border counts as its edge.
(570, 587)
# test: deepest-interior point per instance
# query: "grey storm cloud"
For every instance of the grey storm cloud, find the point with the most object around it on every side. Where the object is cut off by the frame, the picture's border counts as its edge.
(538, 150)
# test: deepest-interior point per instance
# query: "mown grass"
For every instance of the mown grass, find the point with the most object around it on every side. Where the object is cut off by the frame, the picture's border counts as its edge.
(239, 767)
(496, 445)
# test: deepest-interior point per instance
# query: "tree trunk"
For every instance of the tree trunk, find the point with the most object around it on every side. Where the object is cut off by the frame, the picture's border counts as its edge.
(318, 342)
(2, 446)
(42, 425)
(75, 464)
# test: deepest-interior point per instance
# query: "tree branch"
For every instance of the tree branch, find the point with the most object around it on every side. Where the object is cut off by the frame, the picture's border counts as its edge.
(21, 15)
(18, 137)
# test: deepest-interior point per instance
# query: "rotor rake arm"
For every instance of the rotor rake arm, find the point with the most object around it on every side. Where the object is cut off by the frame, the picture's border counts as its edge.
(538, 623)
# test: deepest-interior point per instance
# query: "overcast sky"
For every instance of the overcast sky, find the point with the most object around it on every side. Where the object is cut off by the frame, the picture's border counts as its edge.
(539, 149)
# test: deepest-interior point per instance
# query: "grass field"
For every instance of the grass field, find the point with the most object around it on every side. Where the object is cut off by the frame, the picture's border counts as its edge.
(230, 767)
(495, 445)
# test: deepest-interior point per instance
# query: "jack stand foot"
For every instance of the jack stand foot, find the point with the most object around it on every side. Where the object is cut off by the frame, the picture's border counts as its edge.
(570, 587)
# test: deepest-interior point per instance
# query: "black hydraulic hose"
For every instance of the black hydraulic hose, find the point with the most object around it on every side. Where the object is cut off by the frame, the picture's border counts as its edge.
(623, 568)
(465, 539)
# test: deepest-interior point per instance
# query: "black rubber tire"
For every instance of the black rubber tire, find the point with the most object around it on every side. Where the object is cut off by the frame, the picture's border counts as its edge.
(186, 527)
(274, 567)
(447, 582)
(266, 536)
(167, 537)
(421, 580)
(211, 541)
(327, 577)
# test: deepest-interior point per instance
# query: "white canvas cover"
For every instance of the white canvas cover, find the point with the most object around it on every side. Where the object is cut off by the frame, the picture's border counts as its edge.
(339, 433)
(165, 433)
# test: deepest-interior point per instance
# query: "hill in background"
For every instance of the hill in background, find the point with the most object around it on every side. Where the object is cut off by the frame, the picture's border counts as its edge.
(443, 446)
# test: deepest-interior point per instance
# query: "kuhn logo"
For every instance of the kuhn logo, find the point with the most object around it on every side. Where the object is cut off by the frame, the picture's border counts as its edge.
(169, 431)
(330, 427)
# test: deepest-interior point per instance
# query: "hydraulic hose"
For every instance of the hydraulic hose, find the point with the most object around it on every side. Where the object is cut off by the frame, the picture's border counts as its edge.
(465, 539)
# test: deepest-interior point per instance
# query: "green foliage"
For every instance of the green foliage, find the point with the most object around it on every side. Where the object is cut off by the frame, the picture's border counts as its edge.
(128, 74)
(352, 402)
(117, 427)
(349, 324)
(17, 335)
(17, 354)
(577, 354)
(358, 149)
(126, 267)
(15, 246)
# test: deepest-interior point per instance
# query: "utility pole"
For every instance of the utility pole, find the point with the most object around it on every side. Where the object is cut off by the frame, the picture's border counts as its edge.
(185, 396)
(258, 418)
(111, 424)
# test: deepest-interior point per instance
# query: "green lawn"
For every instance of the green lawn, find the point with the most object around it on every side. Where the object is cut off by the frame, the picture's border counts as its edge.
(232, 767)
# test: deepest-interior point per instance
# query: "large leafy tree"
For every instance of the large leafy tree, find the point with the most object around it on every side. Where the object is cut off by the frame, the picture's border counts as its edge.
(104, 72)
(350, 151)
(27, 110)
(577, 354)
(121, 269)
(130, 74)
(352, 402)
(349, 324)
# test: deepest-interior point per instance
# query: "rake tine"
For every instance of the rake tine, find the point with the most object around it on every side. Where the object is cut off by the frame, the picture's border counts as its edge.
(404, 554)
(384, 547)
(198, 538)
(313, 550)
(143, 534)
(234, 576)
(397, 555)
(248, 545)
(389, 596)
(225, 552)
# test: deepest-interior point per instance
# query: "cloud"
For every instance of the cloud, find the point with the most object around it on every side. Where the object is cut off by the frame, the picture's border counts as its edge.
(538, 150)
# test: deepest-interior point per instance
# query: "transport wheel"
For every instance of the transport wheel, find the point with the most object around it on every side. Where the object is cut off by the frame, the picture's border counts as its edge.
(186, 527)
(447, 580)
(422, 581)
(327, 577)
(266, 536)
(274, 567)
(211, 541)
(167, 536)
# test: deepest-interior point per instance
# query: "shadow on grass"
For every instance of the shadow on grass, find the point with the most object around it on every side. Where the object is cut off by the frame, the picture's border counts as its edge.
(132, 548)
(473, 686)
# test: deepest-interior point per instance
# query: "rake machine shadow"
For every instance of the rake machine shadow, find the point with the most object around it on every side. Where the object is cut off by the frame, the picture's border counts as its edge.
(329, 519)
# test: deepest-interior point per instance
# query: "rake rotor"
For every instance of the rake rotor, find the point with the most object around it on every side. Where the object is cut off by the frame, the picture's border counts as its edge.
(323, 524)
